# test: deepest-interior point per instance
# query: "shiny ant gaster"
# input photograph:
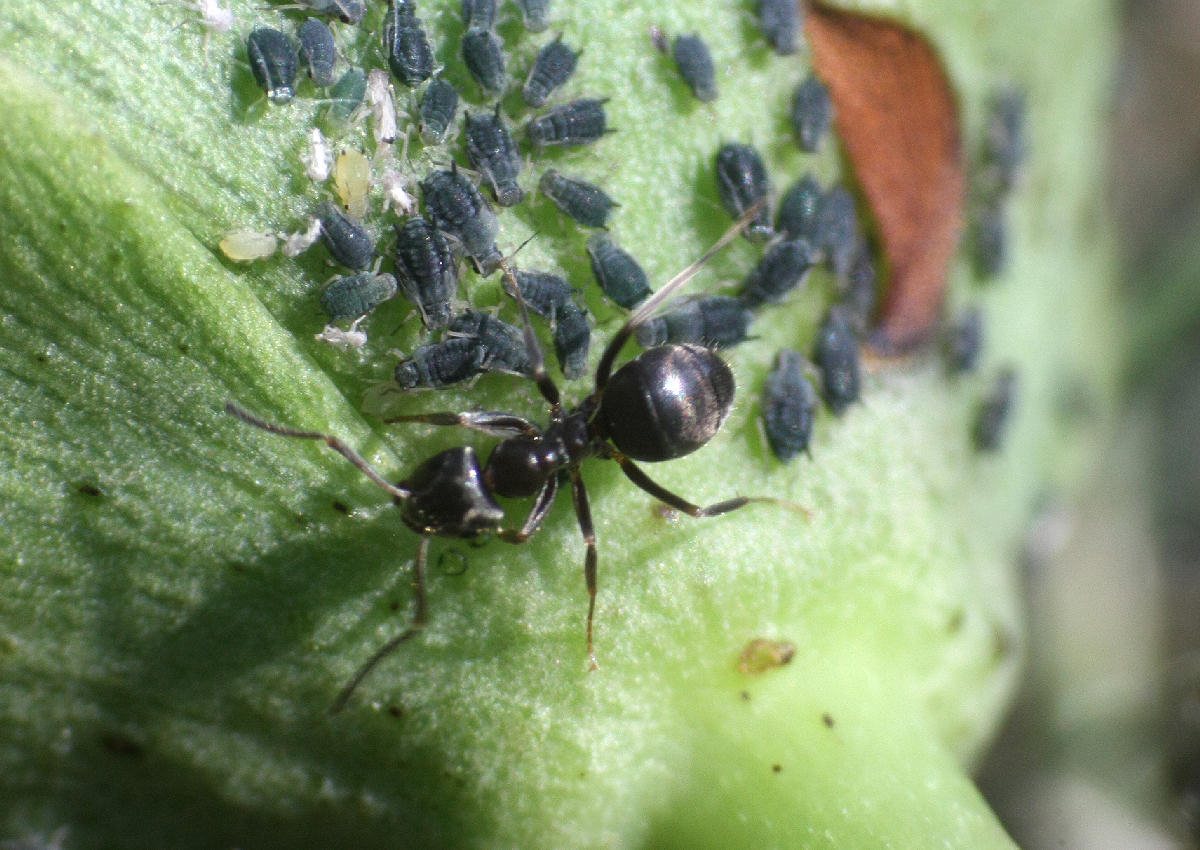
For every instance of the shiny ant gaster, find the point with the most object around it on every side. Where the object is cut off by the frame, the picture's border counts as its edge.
(663, 404)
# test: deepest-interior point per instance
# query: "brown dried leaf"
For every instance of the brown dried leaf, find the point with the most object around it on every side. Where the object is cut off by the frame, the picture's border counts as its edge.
(898, 120)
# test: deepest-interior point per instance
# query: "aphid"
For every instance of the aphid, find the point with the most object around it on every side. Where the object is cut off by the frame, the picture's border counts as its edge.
(990, 231)
(714, 321)
(356, 295)
(658, 38)
(332, 334)
(554, 65)
(383, 106)
(663, 404)
(483, 54)
(246, 246)
(348, 242)
(797, 214)
(543, 293)
(352, 181)
(617, 272)
(579, 122)
(396, 194)
(534, 14)
(346, 11)
(213, 17)
(319, 158)
(780, 21)
(440, 364)
(585, 202)
(455, 207)
(427, 270)
(837, 228)
(742, 183)
(964, 342)
(695, 65)
(572, 338)
(504, 343)
(273, 63)
(480, 14)
(295, 244)
(318, 51)
(812, 112)
(409, 54)
(783, 267)
(1007, 136)
(836, 355)
(494, 154)
(861, 293)
(761, 655)
(552, 297)
(789, 406)
(995, 410)
(345, 97)
(439, 102)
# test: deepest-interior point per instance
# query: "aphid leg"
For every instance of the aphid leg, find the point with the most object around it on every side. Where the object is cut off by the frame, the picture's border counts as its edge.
(537, 514)
(583, 513)
(485, 422)
(329, 440)
(420, 614)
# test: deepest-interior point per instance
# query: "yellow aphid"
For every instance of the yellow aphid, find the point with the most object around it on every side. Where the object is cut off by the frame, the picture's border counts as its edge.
(351, 181)
(246, 246)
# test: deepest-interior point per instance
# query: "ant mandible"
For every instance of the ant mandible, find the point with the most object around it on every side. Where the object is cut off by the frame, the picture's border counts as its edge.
(663, 404)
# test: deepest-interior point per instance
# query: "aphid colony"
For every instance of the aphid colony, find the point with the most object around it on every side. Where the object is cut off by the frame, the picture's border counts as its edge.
(664, 403)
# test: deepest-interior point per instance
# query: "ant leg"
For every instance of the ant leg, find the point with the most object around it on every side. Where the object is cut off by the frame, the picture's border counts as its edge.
(584, 514)
(416, 625)
(533, 522)
(486, 422)
(329, 440)
(537, 357)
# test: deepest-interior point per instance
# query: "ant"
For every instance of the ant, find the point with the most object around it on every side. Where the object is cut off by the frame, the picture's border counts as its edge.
(663, 404)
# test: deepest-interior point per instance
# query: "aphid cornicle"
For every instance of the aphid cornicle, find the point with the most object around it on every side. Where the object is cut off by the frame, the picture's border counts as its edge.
(356, 295)
(318, 50)
(457, 208)
(504, 343)
(585, 202)
(441, 364)
(664, 404)
(580, 122)
(618, 273)
(714, 321)
(742, 183)
(836, 355)
(494, 154)
(347, 240)
(695, 64)
(812, 111)
(427, 271)
(406, 44)
(273, 63)
(483, 54)
(789, 406)
(439, 103)
(554, 65)
(783, 267)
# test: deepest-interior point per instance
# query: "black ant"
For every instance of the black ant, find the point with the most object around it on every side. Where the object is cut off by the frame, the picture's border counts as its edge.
(663, 404)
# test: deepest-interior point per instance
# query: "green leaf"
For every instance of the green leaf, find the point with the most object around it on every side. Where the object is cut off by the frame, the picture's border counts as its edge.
(181, 596)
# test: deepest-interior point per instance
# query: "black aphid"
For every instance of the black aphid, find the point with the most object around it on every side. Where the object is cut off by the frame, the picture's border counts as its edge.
(544, 293)
(494, 154)
(780, 21)
(579, 122)
(837, 229)
(479, 14)
(554, 65)
(695, 65)
(552, 297)
(617, 272)
(861, 291)
(742, 183)
(964, 342)
(789, 406)
(346, 11)
(441, 364)
(535, 14)
(427, 270)
(783, 267)
(483, 54)
(273, 63)
(582, 201)
(1007, 135)
(347, 240)
(503, 343)
(318, 51)
(798, 208)
(346, 96)
(812, 112)
(990, 237)
(356, 295)
(456, 208)
(406, 44)
(714, 321)
(995, 410)
(836, 355)
(664, 404)
(439, 102)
